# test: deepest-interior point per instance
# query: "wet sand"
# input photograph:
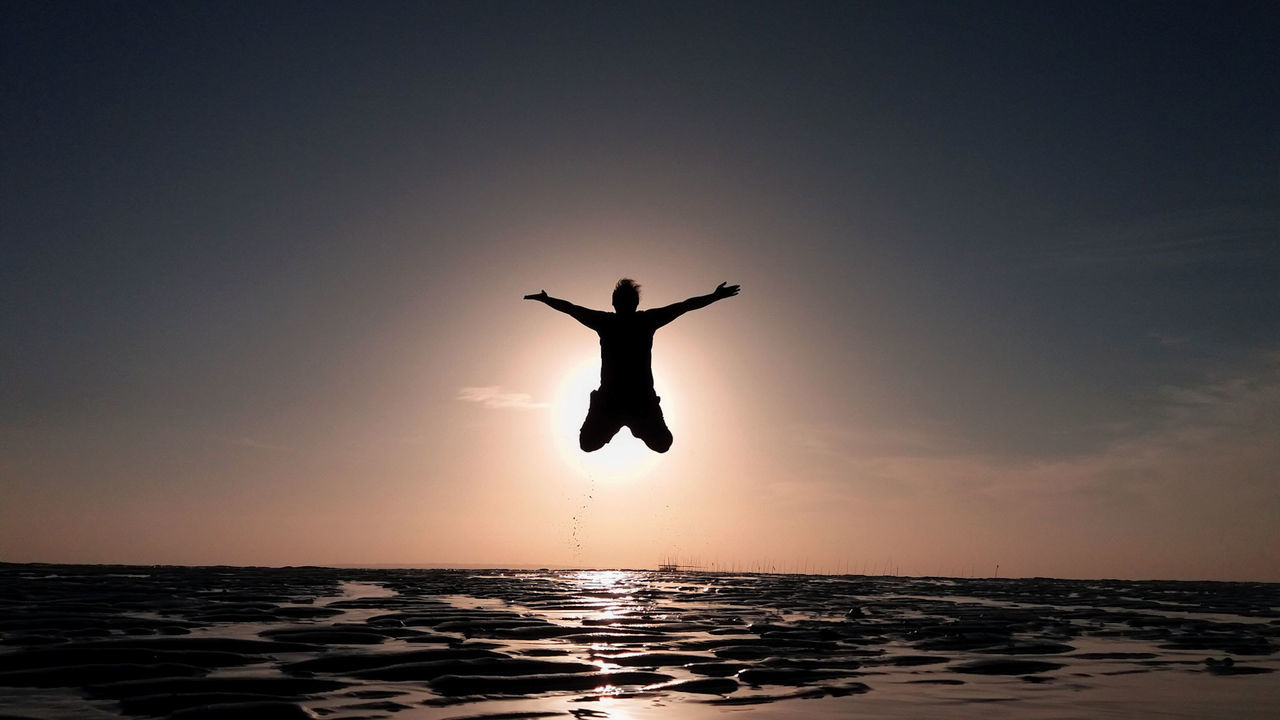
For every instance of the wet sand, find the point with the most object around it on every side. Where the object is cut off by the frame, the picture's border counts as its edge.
(224, 642)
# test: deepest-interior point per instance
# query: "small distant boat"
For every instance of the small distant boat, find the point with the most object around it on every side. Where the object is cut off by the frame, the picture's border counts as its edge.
(670, 567)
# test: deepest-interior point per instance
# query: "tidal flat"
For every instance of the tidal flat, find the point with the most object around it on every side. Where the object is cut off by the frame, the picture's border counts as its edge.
(342, 643)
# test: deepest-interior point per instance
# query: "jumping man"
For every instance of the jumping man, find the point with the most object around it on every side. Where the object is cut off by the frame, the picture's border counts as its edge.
(626, 395)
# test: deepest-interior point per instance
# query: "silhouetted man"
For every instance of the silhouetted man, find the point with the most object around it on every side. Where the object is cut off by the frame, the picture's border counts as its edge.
(626, 395)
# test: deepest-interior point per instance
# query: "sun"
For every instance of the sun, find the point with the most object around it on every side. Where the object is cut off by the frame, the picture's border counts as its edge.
(623, 458)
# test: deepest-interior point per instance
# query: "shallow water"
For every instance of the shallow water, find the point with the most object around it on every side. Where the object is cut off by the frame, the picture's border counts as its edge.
(85, 641)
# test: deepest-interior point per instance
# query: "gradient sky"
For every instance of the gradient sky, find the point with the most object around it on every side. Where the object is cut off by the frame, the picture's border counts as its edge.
(1009, 280)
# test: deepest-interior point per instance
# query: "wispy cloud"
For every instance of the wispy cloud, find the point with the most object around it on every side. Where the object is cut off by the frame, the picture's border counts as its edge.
(1191, 491)
(1211, 450)
(492, 396)
(248, 442)
(1222, 235)
(1168, 340)
(834, 440)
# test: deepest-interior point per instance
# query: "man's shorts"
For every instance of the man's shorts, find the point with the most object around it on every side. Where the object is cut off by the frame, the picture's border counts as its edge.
(609, 413)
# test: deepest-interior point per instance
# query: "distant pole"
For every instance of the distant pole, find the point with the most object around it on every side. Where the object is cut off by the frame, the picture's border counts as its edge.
(997, 570)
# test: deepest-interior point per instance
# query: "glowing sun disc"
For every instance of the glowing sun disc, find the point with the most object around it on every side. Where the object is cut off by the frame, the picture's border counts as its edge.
(624, 457)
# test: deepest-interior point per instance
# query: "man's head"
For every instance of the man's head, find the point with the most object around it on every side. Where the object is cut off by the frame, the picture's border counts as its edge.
(626, 296)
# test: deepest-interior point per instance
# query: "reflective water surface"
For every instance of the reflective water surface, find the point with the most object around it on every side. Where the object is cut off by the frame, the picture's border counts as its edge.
(89, 641)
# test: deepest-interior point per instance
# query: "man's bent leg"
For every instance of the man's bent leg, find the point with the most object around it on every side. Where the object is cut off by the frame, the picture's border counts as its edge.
(651, 427)
(599, 427)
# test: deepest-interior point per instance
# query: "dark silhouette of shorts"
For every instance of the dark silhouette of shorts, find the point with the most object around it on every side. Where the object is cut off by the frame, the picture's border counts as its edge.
(608, 414)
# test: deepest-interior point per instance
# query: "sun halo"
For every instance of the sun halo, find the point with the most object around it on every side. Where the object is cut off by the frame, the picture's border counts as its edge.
(624, 457)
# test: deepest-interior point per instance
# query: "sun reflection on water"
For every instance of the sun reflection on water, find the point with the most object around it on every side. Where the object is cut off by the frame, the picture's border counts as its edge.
(603, 579)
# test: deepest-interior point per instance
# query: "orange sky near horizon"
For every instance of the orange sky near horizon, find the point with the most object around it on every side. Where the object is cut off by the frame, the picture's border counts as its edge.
(768, 471)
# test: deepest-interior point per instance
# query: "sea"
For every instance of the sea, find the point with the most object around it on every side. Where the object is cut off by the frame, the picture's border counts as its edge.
(110, 641)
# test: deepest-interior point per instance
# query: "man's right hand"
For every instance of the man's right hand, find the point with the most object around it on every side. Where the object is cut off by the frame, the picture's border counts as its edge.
(537, 296)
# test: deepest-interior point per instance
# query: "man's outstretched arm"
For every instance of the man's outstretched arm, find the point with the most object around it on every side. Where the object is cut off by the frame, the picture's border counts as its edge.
(675, 310)
(586, 316)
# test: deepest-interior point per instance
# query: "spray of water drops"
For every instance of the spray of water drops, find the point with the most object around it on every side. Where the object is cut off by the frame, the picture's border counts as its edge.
(576, 533)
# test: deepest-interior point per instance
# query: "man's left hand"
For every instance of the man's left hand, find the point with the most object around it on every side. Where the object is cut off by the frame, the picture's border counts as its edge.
(722, 292)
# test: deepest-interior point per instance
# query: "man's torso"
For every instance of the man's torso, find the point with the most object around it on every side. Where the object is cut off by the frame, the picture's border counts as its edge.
(626, 352)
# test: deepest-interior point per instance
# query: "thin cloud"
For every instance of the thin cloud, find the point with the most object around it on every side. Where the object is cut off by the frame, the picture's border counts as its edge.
(491, 396)
(1199, 484)
(1168, 340)
(248, 442)
(1211, 443)
(836, 440)
(1218, 236)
